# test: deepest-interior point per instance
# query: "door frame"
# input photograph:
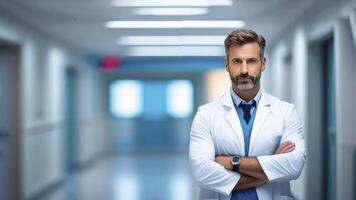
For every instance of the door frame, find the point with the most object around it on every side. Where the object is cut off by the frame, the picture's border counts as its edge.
(317, 181)
(17, 137)
(71, 106)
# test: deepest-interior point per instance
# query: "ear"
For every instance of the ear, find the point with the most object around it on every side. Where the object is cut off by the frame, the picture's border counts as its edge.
(226, 62)
(264, 63)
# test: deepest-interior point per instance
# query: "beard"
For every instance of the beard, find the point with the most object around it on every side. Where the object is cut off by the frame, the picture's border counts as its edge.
(245, 82)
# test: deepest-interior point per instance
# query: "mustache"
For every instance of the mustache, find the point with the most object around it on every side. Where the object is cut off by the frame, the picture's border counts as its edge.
(244, 76)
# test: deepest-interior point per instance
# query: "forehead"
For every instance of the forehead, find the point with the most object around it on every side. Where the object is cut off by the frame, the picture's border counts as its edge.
(248, 50)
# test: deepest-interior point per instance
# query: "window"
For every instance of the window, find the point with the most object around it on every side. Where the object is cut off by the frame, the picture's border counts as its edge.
(180, 98)
(126, 98)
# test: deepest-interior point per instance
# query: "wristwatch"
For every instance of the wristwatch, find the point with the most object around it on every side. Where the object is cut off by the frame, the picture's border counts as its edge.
(235, 161)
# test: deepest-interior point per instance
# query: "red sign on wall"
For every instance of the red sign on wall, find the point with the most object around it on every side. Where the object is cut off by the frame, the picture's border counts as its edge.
(110, 63)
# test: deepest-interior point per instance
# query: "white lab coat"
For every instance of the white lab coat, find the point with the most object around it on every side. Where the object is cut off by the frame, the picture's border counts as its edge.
(216, 130)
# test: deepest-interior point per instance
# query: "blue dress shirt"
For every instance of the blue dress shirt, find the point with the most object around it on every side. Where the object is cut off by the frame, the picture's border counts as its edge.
(247, 194)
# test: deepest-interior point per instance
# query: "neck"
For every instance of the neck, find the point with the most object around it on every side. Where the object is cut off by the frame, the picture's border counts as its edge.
(247, 95)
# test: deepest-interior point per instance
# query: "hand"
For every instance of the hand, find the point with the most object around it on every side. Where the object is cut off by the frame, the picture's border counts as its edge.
(225, 161)
(285, 147)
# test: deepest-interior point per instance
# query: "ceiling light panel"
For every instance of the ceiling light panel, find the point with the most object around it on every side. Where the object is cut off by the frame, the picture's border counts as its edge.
(176, 51)
(176, 24)
(171, 3)
(173, 40)
(170, 11)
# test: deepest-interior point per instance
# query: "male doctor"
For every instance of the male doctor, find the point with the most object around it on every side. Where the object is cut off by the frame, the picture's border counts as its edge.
(247, 144)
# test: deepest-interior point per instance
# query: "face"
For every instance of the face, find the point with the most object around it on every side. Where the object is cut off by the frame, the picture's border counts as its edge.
(245, 66)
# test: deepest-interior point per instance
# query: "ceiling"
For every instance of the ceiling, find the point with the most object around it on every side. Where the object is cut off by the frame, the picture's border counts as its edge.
(81, 22)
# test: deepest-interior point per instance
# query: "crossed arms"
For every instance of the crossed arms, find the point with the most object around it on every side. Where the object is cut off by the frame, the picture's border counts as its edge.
(252, 174)
(212, 173)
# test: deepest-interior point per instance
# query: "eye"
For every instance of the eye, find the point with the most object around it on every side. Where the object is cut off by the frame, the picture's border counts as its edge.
(252, 61)
(236, 61)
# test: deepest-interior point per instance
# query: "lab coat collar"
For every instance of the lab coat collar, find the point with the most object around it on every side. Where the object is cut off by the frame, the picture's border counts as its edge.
(263, 110)
(227, 99)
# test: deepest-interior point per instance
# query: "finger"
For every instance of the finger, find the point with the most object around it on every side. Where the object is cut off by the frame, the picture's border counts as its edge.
(281, 146)
(289, 150)
(278, 150)
(287, 147)
(286, 142)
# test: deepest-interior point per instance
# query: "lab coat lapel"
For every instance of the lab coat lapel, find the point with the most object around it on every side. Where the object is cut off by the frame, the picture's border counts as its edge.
(233, 120)
(263, 110)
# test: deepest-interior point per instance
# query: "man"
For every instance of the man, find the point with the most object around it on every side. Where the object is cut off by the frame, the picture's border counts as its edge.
(247, 144)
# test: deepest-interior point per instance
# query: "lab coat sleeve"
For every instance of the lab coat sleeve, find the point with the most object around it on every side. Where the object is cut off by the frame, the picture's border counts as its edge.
(287, 166)
(206, 172)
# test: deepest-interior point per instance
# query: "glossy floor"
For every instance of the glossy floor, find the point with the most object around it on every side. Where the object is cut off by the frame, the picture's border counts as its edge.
(137, 176)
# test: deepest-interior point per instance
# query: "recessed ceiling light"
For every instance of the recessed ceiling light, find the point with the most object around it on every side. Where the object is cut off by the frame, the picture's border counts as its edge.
(176, 24)
(170, 11)
(170, 3)
(173, 40)
(176, 51)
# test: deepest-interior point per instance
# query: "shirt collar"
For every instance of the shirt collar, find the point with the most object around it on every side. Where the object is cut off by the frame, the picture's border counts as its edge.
(237, 100)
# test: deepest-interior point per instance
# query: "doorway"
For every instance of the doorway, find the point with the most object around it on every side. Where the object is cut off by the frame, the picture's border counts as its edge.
(329, 119)
(321, 139)
(70, 119)
(10, 122)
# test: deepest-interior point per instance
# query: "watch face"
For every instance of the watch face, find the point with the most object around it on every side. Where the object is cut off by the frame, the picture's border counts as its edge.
(236, 160)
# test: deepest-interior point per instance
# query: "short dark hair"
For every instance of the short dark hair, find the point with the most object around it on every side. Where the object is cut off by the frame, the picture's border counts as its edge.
(243, 36)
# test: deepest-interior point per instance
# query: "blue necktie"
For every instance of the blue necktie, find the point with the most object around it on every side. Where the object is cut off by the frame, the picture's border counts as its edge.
(247, 194)
(246, 108)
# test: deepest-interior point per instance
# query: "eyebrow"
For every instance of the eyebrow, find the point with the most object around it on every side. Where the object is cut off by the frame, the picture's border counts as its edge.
(251, 58)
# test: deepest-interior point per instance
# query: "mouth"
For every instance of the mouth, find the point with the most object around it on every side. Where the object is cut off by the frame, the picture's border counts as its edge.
(244, 80)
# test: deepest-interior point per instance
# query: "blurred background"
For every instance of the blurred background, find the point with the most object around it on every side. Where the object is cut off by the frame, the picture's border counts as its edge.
(97, 97)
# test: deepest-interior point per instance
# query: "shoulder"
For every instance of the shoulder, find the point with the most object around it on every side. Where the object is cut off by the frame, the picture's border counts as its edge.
(279, 105)
(212, 108)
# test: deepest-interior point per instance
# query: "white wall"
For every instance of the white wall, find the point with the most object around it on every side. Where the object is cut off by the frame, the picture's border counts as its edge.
(312, 25)
(93, 133)
(43, 61)
(274, 75)
(345, 61)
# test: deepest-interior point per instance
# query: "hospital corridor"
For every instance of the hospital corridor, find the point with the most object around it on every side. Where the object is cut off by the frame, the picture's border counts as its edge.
(98, 98)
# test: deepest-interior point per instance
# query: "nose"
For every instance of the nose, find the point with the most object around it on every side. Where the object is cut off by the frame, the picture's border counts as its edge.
(244, 68)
